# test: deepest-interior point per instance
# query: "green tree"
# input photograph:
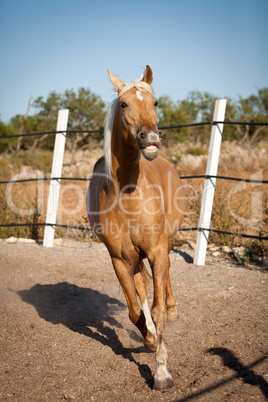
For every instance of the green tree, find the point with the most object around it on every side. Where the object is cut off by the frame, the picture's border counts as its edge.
(253, 109)
(173, 114)
(199, 106)
(7, 144)
(87, 112)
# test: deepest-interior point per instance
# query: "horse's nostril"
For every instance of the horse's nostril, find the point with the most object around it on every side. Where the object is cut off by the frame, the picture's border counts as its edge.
(160, 134)
(142, 135)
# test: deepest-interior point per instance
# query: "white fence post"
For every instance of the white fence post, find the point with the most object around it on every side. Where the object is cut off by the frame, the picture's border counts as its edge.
(209, 187)
(54, 189)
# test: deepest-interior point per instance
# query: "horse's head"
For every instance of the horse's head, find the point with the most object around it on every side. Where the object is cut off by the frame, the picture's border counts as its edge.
(135, 115)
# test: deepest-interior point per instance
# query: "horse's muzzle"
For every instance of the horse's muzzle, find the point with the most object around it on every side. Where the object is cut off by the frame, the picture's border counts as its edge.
(149, 143)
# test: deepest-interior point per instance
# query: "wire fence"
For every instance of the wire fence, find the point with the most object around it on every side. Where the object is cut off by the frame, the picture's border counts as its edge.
(201, 176)
(100, 131)
(83, 227)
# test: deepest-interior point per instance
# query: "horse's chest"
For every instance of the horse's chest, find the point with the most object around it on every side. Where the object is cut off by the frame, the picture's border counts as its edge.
(138, 221)
(145, 203)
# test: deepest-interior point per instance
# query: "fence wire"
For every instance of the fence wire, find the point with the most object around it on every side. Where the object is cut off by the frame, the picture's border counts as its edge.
(100, 131)
(201, 176)
(89, 229)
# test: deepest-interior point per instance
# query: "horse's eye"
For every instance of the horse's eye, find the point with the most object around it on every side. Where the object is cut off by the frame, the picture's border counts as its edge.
(123, 105)
(156, 104)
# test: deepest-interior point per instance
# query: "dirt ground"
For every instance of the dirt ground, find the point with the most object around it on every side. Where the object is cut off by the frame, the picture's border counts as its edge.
(65, 332)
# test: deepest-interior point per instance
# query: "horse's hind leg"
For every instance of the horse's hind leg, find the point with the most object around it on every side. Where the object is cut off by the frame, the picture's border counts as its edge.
(125, 276)
(141, 279)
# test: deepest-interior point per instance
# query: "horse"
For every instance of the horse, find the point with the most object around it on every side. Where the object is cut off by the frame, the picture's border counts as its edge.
(135, 204)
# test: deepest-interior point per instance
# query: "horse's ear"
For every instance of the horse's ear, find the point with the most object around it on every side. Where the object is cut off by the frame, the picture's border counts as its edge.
(118, 85)
(148, 75)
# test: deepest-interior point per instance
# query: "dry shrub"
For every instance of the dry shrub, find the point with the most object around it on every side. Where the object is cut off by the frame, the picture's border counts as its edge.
(23, 197)
(37, 160)
(232, 212)
(233, 158)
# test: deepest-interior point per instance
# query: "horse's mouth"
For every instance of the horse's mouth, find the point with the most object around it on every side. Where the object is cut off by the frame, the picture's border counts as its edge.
(151, 151)
(149, 143)
(151, 148)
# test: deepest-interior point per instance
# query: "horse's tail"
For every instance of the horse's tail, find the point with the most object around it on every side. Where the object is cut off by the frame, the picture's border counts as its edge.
(144, 272)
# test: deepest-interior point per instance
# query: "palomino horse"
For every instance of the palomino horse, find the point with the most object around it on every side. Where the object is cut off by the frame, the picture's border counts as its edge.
(135, 204)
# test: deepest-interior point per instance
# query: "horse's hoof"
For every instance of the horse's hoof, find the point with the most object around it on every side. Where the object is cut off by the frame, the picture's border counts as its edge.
(172, 314)
(163, 385)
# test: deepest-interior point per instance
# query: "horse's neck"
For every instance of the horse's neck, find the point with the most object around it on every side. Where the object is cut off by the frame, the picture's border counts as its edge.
(125, 161)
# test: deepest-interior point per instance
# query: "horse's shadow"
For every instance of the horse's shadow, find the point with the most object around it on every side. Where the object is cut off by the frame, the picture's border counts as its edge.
(87, 312)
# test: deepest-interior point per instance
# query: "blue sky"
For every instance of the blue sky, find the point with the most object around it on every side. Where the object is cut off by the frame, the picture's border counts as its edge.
(219, 46)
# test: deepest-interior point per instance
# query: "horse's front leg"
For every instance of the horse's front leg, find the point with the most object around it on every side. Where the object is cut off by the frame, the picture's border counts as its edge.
(126, 278)
(160, 266)
(170, 302)
(140, 284)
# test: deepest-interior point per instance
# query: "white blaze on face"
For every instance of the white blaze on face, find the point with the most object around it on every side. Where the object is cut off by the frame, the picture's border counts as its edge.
(139, 95)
